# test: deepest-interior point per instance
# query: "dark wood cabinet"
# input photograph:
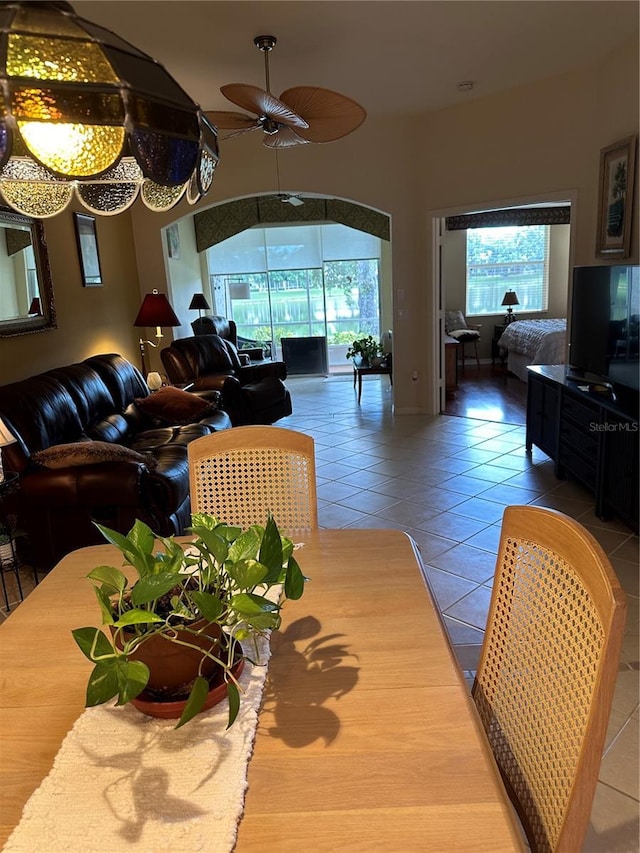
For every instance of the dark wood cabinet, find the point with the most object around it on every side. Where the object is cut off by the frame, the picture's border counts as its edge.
(543, 402)
(579, 444)
(620, 466)
(590, 436)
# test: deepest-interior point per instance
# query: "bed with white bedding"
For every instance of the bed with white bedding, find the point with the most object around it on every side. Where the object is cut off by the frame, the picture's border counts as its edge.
(533, 342)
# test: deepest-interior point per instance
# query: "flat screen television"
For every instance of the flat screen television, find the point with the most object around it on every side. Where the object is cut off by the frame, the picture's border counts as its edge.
(605, 315)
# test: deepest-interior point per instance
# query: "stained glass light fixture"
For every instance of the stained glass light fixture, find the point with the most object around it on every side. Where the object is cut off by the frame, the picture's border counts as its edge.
(85, 114)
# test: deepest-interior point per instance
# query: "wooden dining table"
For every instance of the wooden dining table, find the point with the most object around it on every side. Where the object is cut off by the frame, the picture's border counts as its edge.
(367, 740)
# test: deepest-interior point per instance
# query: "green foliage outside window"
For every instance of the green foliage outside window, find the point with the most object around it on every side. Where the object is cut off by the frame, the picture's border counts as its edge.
(293, 303)
(503, 258)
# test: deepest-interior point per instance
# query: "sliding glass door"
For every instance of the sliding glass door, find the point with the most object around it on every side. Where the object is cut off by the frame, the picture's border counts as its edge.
(299, 281)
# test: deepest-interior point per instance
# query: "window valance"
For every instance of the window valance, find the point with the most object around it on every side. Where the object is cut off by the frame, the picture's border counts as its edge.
(555, 215)
(218, 223)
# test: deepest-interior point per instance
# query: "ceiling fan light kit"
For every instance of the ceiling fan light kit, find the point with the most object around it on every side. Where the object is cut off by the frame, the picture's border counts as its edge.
(293, 200)
(299, 116)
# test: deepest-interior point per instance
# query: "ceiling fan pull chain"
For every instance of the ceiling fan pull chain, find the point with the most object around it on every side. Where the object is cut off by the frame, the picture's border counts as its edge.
(278, 170)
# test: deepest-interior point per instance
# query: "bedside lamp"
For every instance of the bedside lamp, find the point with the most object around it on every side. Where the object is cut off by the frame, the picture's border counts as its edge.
(154, 311)
(6, 438)
(510, 299)
(199, 302)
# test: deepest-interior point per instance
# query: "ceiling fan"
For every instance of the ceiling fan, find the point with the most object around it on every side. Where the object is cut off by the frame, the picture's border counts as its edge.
(300, 115)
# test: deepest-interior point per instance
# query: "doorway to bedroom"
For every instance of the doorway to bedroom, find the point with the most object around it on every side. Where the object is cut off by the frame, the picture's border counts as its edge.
(496, 266)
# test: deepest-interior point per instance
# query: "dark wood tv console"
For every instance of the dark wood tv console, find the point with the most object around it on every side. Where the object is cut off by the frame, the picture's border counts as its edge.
(589, 436)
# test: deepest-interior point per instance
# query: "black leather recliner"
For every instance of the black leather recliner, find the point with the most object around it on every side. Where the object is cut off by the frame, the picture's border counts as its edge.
(227, 329)
(251, 394)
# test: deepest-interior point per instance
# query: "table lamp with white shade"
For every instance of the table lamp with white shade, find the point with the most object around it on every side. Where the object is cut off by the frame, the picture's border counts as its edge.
(6, 438)
(154, 381)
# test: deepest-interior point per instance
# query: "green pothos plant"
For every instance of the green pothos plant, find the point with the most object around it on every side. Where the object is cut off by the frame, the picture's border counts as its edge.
(219, 578)
(365, 348)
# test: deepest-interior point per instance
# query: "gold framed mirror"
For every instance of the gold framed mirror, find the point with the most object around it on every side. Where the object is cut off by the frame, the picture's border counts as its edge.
(26, 290)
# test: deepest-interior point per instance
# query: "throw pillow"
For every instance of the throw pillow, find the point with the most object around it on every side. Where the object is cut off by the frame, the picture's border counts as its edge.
(174, 406)
(453, 321)
(89, 453)
(465, 335)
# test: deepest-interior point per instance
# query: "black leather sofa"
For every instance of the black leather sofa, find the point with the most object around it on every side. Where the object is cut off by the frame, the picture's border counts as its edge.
(253, 391)
(87, 451)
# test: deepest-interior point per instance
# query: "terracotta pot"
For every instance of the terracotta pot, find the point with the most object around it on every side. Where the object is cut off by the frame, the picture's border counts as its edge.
(171, 665)
(173, 710)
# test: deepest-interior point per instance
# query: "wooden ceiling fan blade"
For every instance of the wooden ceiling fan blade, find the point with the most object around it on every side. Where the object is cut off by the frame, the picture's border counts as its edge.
(225, 120)
(262, 103)
(286, 137)
(329, 114)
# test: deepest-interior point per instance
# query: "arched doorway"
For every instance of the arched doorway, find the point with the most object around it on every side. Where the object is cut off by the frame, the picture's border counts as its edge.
(320, 268)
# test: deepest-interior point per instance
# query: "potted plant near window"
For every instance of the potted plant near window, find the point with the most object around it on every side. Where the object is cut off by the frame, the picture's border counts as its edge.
(179, 633)
(365, 352)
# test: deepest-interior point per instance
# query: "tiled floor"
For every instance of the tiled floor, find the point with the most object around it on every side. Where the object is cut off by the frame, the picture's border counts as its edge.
(446, 480)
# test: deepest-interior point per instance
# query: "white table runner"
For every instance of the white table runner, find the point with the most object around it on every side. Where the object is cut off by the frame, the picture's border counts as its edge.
(124, 781)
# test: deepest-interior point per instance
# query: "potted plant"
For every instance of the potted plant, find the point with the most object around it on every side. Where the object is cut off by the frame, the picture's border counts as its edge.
(365, 352)
(191, 605)
(8, 535)
(6, 549)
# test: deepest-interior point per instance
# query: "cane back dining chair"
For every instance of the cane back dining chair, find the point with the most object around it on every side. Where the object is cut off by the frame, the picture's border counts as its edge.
(242, 475)
(547, 671)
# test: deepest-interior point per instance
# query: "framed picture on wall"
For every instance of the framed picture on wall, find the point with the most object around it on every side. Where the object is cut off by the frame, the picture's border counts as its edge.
(173, 241)
(617, 170)
(88, 250)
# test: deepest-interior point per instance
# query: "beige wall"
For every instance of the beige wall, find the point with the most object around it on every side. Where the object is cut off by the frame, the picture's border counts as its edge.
(539, 140)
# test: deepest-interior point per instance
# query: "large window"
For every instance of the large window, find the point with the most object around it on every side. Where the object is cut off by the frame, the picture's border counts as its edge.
(507, 258)
(299, 281)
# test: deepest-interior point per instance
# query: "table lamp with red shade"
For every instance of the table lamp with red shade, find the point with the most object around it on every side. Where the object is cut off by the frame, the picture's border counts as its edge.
(154, 311)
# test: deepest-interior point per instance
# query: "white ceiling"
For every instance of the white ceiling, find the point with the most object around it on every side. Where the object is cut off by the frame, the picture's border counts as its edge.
(392, 56)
